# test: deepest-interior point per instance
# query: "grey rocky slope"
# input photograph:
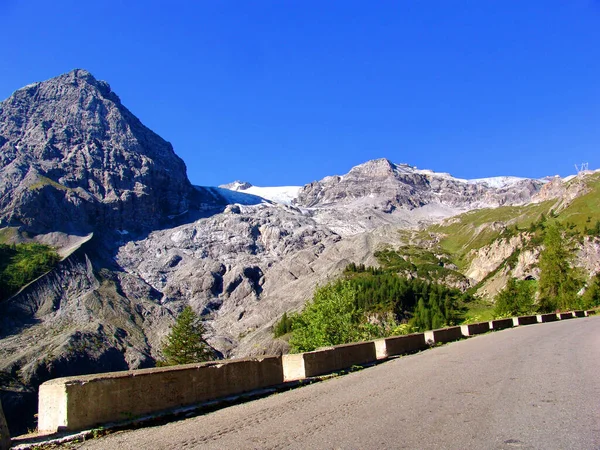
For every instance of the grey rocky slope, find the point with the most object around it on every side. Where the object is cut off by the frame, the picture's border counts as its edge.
(70, 150)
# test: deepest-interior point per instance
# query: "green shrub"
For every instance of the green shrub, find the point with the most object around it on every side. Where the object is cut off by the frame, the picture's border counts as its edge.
(515, 299)
(20, 264)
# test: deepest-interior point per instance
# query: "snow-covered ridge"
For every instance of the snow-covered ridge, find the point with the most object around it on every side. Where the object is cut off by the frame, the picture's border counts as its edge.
(493, 182)
(278, 194)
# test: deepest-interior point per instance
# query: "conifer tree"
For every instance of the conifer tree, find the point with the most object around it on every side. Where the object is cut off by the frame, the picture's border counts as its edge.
(558, 285)
(185, 343)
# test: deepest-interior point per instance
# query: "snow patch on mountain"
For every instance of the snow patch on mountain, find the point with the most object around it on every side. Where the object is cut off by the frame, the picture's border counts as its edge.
(284, 195)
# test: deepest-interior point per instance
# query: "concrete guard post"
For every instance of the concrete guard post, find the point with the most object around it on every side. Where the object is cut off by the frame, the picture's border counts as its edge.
(475, 328)
(80, 402)
(326, 360)
(400, 345)
(501, 324)
(524, 320)
(4, 434)
(444, 335)
(565, 315)
(543, 318)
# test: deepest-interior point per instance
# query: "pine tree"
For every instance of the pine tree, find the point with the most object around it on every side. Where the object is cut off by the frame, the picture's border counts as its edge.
(185, 343)
(558, 285)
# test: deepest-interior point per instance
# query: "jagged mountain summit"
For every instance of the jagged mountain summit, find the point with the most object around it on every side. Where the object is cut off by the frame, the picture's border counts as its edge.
(70, 149)
(393, 186)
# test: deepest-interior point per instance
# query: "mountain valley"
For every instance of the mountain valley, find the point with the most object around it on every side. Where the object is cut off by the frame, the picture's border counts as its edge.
(138, 242)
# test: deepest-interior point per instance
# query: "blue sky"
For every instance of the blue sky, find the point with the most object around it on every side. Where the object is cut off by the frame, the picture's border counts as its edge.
(287, 92)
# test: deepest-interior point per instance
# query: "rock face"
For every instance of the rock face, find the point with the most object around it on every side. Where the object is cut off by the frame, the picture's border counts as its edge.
(70, 149)
(380, 192)
(392, 186)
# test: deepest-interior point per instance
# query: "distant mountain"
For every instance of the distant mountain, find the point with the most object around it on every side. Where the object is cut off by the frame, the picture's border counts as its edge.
(390, 186)
(73, 158)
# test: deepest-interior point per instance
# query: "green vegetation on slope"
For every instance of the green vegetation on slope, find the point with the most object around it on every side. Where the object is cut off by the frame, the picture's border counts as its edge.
(476, 229)
(516, 299)
(22, 263)
(369, 303)
(408, 292)
(410, 260)
(584, 210)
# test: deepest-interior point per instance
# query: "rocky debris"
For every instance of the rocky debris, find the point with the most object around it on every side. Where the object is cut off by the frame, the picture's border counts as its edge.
(486, 259)
(223, 265)
(74, 321)
(69, 148)
(588, 255)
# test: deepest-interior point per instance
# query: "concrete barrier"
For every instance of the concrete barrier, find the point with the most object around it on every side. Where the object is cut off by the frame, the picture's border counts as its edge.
(590, 312)
(444, 335)
(475, 328)
(524, 320)
(578, 313)
(543, 318)
(76, 403)
(501, 324)
(4, 434)
(400, 345)
(327, 360)
(565, 315)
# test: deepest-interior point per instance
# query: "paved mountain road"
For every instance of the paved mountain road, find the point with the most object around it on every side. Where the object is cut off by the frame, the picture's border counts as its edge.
(535, 386)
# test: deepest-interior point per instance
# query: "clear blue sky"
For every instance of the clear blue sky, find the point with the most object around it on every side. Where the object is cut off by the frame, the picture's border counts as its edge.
(287, 92)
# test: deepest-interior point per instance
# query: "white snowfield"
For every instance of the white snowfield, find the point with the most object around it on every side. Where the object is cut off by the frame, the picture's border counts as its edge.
(277, 194)
(493, 182)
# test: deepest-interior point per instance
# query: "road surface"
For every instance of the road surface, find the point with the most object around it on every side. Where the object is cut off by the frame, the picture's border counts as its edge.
(532, 387)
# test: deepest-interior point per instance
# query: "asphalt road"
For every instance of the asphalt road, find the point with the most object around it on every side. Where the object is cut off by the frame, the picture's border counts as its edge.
(535, 386)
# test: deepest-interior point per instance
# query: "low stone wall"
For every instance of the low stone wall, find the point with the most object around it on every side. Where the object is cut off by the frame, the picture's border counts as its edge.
(524, 320)
(543, 318)
(475, 328)
(400, 345)
(443, 335)
(327, 360)
(501, 324)
(76, 403)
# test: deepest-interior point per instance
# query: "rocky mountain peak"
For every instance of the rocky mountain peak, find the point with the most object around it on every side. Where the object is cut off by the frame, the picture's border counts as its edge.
(237, 186)
(380, 186)
(69, 147)
(377, 168)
